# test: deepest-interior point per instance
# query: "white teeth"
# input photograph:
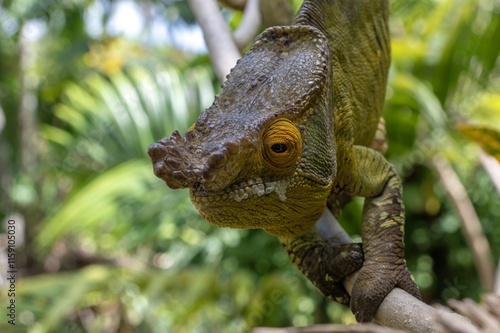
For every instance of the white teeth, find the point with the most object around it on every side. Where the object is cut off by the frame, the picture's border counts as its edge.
(255, 189)
(261, 193)
(271, 185)
(281, 189)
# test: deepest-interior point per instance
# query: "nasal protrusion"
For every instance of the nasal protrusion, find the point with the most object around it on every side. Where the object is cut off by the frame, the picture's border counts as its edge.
(172, 163)
(180, 165)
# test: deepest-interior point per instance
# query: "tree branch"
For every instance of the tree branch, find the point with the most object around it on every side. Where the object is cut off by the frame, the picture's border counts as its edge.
(485, 315)
(276, 12)
(496, 286)
(28, 106)
(492, 167)
(471, 226)
(249, 26)
(218, 37)
(329, 328)
(234, 4)
(399, 310)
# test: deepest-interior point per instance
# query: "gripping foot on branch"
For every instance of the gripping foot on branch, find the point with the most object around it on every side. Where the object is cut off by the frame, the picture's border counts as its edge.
(325, 262)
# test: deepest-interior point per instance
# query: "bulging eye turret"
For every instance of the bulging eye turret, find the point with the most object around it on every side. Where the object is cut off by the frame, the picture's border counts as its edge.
(282, 145)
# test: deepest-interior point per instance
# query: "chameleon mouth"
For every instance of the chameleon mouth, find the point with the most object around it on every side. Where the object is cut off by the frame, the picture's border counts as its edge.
(274, 204)
(238, 192)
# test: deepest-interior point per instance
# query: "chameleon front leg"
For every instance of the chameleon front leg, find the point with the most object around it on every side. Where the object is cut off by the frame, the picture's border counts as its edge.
(383, 219)
(337, 201)
(325, 256)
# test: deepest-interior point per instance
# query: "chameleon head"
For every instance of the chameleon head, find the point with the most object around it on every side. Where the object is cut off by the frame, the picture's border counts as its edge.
(263, 155)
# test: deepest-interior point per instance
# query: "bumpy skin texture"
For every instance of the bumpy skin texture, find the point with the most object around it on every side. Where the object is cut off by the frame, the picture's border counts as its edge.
(293, 132)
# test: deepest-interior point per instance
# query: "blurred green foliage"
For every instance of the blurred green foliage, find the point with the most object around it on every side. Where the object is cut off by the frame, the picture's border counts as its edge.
(108, 248)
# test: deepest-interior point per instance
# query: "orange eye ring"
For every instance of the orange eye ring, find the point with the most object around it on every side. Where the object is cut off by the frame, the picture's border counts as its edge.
(282, 144)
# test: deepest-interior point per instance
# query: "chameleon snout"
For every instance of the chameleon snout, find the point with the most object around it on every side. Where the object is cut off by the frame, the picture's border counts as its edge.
(181, 164)
(171, 162)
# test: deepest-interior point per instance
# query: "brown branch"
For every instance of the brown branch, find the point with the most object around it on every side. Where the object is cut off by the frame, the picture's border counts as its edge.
(471, 226)
(218, 37)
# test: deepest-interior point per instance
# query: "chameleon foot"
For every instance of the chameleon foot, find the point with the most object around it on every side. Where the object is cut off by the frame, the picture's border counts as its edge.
(325, 263)
(373, 284)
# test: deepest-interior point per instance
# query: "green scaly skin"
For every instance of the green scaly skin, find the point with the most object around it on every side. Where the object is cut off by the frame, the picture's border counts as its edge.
(293, 132)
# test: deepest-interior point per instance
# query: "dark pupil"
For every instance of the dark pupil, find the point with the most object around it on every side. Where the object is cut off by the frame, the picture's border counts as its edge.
(279, 148)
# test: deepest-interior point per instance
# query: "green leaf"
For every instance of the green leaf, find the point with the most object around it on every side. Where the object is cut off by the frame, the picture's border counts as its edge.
(487, 137)
(96, 201)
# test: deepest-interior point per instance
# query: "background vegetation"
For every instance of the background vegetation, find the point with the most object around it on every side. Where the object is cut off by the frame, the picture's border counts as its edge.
(104, 246)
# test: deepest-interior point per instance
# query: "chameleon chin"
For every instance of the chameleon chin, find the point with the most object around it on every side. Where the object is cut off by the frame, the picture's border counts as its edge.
(290, 135)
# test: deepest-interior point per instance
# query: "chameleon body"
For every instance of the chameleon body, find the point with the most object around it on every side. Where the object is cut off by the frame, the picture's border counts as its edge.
(290, 135)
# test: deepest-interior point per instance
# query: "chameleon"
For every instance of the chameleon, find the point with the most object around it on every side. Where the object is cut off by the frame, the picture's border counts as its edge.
(295, 131)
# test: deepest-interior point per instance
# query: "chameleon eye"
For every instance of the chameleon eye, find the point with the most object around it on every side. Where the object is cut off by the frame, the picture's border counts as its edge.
(279, 148)
(282, 144)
